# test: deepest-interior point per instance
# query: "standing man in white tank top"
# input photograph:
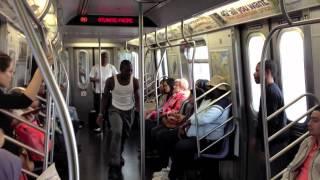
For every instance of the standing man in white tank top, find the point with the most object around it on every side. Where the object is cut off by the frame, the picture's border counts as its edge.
(123, 89)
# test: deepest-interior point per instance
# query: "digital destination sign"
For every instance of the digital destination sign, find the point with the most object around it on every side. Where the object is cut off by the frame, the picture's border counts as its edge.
(95, 20)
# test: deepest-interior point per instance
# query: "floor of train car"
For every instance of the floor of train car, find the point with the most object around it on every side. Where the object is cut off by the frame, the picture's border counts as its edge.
(94, 156)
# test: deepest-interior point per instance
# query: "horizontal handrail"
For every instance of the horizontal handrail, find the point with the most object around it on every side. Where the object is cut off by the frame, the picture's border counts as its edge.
(210, 90)
(10, 139)
(215, 142)
(290, 146)
(7, 113)
(291, 103)
(29, 173)
(279, 174)
(216, 100)
(278, 133)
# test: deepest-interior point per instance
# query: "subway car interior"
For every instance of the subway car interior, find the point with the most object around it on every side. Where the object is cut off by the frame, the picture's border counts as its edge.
(160, 89)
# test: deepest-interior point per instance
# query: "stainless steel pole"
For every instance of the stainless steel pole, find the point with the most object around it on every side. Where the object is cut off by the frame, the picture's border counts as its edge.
(141, 68)
(71, 147)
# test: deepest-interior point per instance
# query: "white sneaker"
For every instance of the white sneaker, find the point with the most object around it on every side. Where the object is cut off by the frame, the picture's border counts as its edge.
(163, 173)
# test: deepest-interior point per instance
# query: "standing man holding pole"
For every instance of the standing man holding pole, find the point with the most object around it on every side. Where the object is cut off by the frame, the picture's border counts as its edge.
(107, 70)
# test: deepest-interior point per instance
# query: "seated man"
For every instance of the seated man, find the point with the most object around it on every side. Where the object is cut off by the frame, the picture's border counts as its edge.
(10, 164)
(305, 164)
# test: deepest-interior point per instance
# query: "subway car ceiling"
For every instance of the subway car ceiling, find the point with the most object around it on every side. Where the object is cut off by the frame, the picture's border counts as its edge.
(199, 17)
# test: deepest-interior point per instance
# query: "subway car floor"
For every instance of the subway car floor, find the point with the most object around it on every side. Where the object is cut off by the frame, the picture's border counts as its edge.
(94, 155)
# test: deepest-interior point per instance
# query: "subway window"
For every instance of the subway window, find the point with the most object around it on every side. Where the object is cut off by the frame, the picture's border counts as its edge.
(255, 45)
(135, 64)
(201, 58)
(293, 71)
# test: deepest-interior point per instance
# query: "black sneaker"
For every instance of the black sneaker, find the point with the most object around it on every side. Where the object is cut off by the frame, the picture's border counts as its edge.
(122, 161)
(115, 173)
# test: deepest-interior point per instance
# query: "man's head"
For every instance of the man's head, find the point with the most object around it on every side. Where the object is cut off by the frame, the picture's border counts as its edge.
(104, 59)
(180, 85)
(314, 123)
(270, 71)
(126, 68)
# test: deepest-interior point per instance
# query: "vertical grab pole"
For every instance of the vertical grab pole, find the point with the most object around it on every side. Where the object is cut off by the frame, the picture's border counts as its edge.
(48, 124)
(141, 67)
(100, 80)
(193, 86)
(156, 86)
(72, 153)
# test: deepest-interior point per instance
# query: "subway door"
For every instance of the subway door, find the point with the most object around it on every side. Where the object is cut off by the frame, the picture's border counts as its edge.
(294, 56)
(82, 96)
(223, 48)
(252, 39)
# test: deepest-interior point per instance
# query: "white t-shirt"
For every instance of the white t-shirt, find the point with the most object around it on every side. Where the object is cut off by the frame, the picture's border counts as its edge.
(106, 71)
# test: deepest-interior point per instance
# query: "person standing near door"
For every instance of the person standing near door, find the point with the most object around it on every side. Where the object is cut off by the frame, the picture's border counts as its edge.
(274, 101)
(107, 70)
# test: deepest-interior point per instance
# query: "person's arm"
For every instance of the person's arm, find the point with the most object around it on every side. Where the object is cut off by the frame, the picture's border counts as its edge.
(34, 86)
(136, 94)
(1, 138)
(93, 75)
(106, 97)
(208, 116)
(294, 162)
(114, 70)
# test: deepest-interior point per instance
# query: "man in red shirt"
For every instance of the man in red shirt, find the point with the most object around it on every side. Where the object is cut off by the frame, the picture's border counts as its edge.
(306, 163)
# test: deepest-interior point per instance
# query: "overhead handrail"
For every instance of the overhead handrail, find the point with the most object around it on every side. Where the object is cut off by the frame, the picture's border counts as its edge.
(156, 39)
(284, 11)
(40, 55)
(263, 83)
(168, 41)
(192, 43)
(37, 21)
(270, 117)
(11, 115)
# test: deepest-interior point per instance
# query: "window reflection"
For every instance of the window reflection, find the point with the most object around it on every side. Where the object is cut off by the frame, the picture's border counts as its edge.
(83, 69)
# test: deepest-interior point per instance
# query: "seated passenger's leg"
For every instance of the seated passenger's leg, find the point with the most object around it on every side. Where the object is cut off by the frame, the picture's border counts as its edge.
(166, 140)
(182, 157)
(149, 125)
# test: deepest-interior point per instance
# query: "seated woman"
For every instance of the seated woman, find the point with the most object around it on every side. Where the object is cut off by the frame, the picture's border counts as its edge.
(15, 101)
(173, 105)
(182, 141)
(305, 164)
